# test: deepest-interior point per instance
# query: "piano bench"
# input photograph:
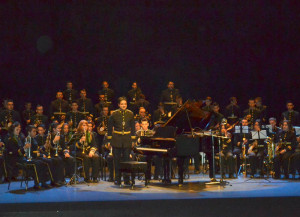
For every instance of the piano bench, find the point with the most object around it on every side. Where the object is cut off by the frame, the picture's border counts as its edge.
(134, 167)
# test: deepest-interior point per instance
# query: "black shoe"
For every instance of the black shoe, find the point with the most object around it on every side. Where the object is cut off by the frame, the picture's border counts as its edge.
(127, 182)
(37, 187)
(88, 180)
(95, 180)
(117, 183)
(55, 184)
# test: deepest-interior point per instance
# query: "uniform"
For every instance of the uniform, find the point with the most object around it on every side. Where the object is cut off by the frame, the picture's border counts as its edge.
(292, 116)
(70, 95)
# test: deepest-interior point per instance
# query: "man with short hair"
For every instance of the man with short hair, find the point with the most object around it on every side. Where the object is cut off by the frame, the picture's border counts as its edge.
(291, 115)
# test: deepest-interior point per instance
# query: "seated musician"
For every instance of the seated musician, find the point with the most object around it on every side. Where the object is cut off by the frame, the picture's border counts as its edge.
(73, 117)
(27, 113)
(58, 107)
(291, 115)
(20, 151)
(143, 115)
(39, 118)
(295, 158)
(107, 153)
(241, 141)
(69, 161)
(226, 152)
(107, 92)
(133, 96)
(232, 111)
(142, 102)
(157, 160)
(169, 94)
(101, 123)
(252, 113)
(70, 94)
(256, 153)
(208, 104)
(85, 105)
(284, 149)
(160, 115)
(86, 149)
(263, 110)
(8, 115)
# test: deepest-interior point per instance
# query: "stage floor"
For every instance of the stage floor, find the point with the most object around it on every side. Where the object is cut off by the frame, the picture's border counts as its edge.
(193, 188)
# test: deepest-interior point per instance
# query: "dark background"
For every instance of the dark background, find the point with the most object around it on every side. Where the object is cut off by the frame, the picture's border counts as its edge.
(217, 48)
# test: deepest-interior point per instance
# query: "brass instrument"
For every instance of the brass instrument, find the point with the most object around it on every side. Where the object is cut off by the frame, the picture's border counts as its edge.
(28, 150)
(48, 144)
(57, 145)
(84, 143)
(271, 149)
(2, 148)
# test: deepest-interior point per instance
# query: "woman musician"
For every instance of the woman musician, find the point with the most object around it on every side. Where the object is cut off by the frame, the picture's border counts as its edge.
(86, 148)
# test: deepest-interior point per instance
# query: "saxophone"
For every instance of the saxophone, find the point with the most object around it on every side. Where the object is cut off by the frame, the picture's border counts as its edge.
(271, 149)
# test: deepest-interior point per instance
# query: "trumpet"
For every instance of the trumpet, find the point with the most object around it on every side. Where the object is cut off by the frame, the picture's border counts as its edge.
(57, 145)
(28, 150)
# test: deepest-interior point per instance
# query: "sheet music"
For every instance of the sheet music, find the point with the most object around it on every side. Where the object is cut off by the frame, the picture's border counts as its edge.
(259, 134)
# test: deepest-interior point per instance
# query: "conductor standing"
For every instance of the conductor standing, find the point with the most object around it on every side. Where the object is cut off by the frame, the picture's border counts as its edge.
(120, 133)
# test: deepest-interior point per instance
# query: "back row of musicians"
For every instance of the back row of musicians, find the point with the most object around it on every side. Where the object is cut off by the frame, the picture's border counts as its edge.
(54, 159)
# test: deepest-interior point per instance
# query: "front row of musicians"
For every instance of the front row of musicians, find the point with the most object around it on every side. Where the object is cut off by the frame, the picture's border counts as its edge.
(51, 156)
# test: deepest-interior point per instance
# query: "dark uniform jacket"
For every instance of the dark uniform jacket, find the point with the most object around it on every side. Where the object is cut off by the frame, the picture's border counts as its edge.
(288, 139)
(108, 94)
(169, 95)
(70, 95)
(134, 94)
(9, 116)
(76, 117)
(292, 116)
(39, 119)
(255, 114)
(14, 145)
(59, 106)
(232, 113)
(121, 128)
(85, 105)
(27, 114)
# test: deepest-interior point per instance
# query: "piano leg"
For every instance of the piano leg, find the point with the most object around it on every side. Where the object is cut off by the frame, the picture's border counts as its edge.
(180, 162)
(148, 172)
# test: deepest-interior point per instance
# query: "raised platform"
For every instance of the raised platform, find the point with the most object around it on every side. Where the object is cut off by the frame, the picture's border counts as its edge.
(195, 197)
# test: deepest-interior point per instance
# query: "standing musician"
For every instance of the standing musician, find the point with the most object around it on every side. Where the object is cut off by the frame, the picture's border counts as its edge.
(295, 158)
(168, 96)
(39, 118)
(86, 149)
(133, 96)
(121, 131)
(58, 107)
(285, 148)
(73, 117)
(232, 111)
(256, 153)
(291, 115)
(263, 112)
(107, 92)
(27, 113)
(226, 152)
(20, 151)
(8, 116)
(252, 113)
(85, 105)
(70, 94)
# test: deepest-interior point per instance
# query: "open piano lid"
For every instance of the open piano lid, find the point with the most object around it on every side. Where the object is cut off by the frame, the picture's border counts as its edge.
(188, 116)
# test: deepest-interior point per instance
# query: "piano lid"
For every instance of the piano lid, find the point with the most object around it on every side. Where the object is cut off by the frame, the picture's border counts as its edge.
(189, 115)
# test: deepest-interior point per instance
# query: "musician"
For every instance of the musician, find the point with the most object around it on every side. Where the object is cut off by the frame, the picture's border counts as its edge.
(275, 130)
(58, 106)
(133, 96)
(291, 115)
(232, 111)
(85, 105)
(215, 118)
(169, 94)
(143, 115)
(99, 106)
(241, 140)
(9, 115)
(2, 164)
(208, 104)
(160, 115)
(142, 102)
(107, 92)
(27, 113)
(87, 151)
(263, 111)
(18, 152)
(39, 118)
(70, 94)
(295, 158)
(53, 149)
(226, 152)
(252, 113)
(102, 124)
(285, 148)
(256, 154)
(121, 131)
(65, 154)
(178, 105)
(107, 153)
(73, 117)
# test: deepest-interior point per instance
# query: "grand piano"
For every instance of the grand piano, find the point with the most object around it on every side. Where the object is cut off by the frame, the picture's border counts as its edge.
(175, 138)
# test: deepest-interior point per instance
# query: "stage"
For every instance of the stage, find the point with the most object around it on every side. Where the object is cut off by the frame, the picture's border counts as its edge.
(268, 196)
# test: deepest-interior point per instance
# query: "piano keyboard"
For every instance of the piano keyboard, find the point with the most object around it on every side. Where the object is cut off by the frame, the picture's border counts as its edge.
(152, 149)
